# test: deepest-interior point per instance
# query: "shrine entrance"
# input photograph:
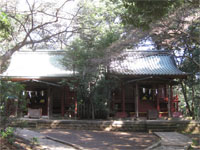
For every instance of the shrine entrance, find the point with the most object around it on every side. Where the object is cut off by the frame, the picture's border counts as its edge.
(37, 96)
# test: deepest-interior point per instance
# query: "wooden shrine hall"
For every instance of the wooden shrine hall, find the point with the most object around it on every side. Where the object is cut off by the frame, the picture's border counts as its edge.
(146, 83)
(147, 80)
(41, 72)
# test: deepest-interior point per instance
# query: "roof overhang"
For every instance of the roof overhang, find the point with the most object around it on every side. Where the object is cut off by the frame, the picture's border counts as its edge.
(37, 65)
(135, 76)
(42, 78)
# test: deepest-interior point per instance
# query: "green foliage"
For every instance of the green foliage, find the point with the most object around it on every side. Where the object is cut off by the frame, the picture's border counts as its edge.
(90, 82)
(8, 134)
(99, 30)
(98, 18)
(11, 100)
(102, 96)
(34, 141)
(5, 26)
(195, 142)
(191, 64)
(141, 13)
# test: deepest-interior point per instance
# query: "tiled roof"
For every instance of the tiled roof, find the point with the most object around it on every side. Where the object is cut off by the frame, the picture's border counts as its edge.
(144, 63)
(37, 64)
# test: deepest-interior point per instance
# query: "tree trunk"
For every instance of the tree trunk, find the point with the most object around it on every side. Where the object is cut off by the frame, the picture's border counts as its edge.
(185, 98)
(193, 100)
(83, 107)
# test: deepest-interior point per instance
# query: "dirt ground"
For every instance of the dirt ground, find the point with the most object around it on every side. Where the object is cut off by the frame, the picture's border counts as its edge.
(99, 140)
(17, 145)
(6, 146)
(91, 140)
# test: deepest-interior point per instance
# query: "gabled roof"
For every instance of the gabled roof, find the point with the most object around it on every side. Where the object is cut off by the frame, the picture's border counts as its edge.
(145, 63)
(37, 64)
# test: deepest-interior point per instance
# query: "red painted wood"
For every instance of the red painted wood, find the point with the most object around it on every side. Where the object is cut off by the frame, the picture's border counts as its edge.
(76, 105)
(172, 103)
(121, 114)
(159, 102)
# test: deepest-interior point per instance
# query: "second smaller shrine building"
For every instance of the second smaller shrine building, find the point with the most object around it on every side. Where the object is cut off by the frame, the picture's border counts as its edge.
(147, 80)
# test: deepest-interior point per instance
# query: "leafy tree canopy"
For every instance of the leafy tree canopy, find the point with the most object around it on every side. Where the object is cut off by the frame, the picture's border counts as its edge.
(5, 26)
(141, 13)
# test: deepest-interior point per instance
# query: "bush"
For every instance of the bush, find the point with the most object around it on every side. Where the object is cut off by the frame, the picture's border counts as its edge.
(12, 102)
(8, 134)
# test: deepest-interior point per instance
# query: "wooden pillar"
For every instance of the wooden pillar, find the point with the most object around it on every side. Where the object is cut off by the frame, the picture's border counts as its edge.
(171, 97)
(76, 104)
(113, 102)
(123, 98)
(177, 103)
(63, 101)
(158, 102)
(49, 105)
(136, 100)
(169, 101)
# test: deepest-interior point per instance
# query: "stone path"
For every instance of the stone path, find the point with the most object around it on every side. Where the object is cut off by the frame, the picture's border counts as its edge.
(173, 141)
(45, 143)
(103, 140)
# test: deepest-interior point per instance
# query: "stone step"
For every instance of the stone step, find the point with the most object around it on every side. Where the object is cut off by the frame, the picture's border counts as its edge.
(174, 140)
(116, 125)
(163, 128)
(45, 143)
(31, 124)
